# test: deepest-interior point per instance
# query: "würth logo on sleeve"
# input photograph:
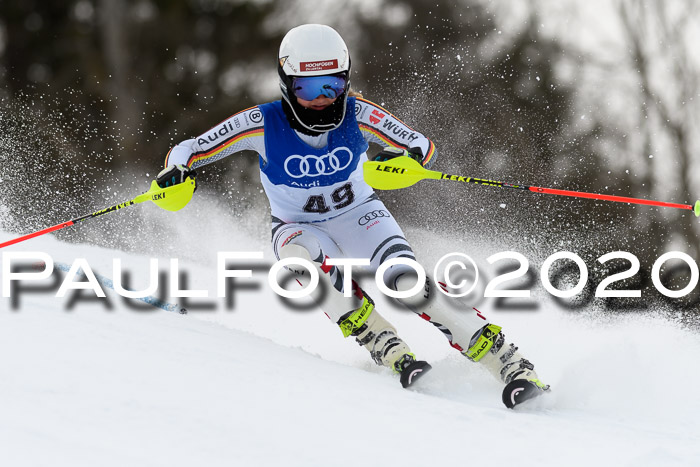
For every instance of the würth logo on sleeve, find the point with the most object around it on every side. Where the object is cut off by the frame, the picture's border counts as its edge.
(319, 66)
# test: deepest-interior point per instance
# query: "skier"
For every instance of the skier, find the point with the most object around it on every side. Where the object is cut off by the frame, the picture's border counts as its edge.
(311, 145)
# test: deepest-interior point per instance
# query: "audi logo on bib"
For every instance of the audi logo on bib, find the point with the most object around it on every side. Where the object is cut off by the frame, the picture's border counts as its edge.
(314, 166)
(370, 216)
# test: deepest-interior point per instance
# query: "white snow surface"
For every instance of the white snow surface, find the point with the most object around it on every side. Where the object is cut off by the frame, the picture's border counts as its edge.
(261, 385)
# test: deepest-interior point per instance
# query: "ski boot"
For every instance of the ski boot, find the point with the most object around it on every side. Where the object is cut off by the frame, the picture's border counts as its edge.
(507, 364)
(379, 337)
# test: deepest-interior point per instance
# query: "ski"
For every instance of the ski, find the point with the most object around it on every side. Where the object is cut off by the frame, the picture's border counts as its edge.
(414, 372)
(520, 390)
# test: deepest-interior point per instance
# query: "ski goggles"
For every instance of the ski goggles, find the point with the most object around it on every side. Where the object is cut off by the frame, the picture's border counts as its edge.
(310, 87)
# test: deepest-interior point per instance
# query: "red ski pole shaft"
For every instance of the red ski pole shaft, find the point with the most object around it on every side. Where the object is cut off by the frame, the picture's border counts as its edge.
(37, 233)
(402, 172)
(66, 224)
(171, 198)
(574, 194)
(619, 199)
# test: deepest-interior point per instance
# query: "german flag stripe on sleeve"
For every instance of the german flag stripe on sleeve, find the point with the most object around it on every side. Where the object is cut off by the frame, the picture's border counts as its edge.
(201, 156)
(167, 157)
(380, 135)
(431, 152)
(223, 145)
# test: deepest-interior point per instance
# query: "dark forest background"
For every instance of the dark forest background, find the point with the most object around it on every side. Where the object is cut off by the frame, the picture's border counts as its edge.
(93, 93)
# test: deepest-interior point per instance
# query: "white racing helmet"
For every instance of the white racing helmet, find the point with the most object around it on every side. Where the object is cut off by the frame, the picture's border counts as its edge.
(314, 50)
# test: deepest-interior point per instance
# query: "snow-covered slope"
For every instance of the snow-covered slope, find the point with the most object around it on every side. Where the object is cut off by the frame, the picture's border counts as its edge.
(262, 385)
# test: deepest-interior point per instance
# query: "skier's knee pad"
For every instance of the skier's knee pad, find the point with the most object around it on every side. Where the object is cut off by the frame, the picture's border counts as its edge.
(403, 279)
(330, 276)
(295, 250)
(349, 312)
(310, 250)
(400, 277)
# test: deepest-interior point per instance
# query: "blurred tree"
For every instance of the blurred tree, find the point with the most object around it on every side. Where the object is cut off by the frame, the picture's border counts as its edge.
(491, 101)
(668, 79)
(148, 73)
(141, 63)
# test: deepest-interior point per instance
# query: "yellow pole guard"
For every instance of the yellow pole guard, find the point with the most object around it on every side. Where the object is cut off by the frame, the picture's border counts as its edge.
(171, 198)
(400, 172)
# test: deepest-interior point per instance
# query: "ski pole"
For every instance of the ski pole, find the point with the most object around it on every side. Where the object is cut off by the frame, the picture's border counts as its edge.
(109, 283)
(402, 172)
(172, 198)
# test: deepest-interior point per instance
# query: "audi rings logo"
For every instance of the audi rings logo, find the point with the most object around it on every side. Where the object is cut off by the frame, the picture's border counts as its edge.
(314, 166)
(370, 216)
